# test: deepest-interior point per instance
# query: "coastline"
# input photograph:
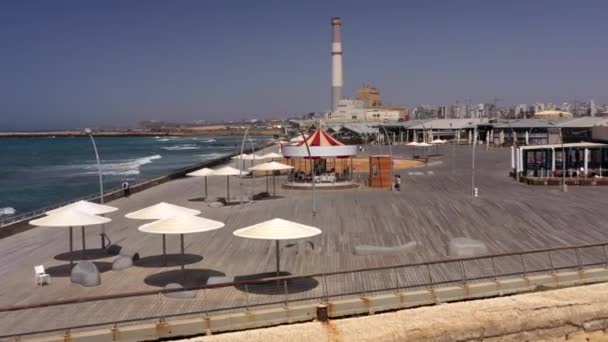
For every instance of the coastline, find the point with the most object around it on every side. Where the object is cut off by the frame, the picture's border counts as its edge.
(17, 224)
(143, 133)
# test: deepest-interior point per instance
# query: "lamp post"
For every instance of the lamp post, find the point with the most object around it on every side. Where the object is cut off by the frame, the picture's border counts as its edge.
(312, 171)
(473, 162)
(89, 132)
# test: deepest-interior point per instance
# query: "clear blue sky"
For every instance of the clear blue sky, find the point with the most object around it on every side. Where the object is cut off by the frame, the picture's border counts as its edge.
(90, 63)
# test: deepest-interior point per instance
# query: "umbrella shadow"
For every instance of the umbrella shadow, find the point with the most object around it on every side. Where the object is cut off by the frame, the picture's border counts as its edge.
(157, 261)
(186, 278)
(89, 254)
(197, 199)
(65, 270)
(275, 287)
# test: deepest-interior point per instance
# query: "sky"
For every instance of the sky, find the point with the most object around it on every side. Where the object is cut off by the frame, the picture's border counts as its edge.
(67, 64)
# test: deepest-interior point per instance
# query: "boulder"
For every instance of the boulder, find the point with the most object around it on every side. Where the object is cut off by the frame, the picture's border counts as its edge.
(122, 263)
(216, 205)
(129, 253)
(462, 247)
(219, 280)
(180, 294)
(85, 273)
(114, 249)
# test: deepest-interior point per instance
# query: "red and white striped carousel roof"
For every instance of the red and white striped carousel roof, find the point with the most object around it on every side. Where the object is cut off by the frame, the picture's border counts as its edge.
(321, 138)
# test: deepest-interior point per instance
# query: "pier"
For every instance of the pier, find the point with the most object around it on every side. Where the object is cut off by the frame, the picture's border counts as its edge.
(435, 205)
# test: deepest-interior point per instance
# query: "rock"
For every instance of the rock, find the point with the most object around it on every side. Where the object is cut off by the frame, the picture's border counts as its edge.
(85, 273)
(180, 294)
(114, 249)
(465, 248)
(129, 253)
(383, 250)
(216, 205)
(219, 280)
(122, 263)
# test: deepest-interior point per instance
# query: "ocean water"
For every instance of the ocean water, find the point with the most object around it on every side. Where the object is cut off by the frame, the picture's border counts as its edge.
(38, 172)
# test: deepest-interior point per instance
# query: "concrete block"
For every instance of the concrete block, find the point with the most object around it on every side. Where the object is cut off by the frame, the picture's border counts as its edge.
(450, 294)
(417, 298)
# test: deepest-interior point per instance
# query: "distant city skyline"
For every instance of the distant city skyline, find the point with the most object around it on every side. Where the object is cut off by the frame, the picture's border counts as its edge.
(69, 64)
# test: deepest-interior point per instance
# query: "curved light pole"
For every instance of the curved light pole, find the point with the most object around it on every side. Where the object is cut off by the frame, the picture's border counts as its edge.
(312, 171)
(243, 162)
(89, 132)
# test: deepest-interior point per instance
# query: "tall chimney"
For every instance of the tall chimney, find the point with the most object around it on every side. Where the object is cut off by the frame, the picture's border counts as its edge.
(336, 63)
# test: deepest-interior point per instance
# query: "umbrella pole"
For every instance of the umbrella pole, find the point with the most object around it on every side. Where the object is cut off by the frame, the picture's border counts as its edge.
(274, 186)
(164, 250)
(205, 188)
(278, 255)
(181, 237)
(71, 248)
(84, 244)
(267, 191)
(227, 189)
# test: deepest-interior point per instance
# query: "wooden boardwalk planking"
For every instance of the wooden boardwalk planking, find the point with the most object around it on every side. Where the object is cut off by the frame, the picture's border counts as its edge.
(431, 209)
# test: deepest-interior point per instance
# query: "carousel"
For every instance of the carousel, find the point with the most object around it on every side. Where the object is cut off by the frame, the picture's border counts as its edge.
(329, 164)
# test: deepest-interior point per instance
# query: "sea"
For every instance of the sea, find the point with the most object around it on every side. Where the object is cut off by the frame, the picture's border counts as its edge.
(41, 171)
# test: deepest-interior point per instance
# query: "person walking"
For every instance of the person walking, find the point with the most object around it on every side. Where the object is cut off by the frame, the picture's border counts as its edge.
(398, 182)
(126, 188)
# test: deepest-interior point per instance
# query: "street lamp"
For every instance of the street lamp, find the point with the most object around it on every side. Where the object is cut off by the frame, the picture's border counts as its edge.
(473, 161)
(89, 132)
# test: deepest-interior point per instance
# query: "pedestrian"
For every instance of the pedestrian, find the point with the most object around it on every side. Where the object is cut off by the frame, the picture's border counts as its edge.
(126, 188)
(398, 182)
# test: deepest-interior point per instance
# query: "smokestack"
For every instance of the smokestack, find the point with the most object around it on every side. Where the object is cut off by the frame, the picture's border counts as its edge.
(336, 63)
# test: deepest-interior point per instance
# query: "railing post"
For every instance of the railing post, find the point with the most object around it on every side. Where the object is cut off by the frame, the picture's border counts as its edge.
(362, 284)
(286, 293)
(579, 262)
(325, 294)
(605, 256)
(550, 262)
(246, 298)
(428, 271)
(523, 265)
(463, 271)
(494, 269)
(397, 287)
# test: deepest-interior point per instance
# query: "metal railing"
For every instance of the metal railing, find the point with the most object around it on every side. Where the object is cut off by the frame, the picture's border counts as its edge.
(245, 293)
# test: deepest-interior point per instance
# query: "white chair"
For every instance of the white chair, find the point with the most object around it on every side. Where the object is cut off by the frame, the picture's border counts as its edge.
(41, 276)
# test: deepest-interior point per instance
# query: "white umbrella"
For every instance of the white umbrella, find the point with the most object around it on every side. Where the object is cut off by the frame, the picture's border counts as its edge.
(438, 141)
(184, 224)
(204, 172)
(271, 166)
(162, 211)
(277, 229)
(86, 207)
(245, 156)
(413, 143)
(70, 218)
(226, 171)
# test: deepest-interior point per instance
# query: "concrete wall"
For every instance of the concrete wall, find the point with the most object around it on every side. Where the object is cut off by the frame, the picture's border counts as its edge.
(335, 308)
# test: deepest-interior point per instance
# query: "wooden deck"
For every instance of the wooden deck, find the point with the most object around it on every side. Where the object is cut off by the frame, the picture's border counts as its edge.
(435, 205)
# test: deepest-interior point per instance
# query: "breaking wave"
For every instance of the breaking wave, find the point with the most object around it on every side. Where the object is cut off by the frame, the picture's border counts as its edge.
(120, 168)
(7, 211)
(180, 148)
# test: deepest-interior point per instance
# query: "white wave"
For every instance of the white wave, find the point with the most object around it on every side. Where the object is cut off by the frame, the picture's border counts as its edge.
(209, 140)
(120, 168)
(180, 148)
(209, 156)
(7, 211)
(164, 139)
